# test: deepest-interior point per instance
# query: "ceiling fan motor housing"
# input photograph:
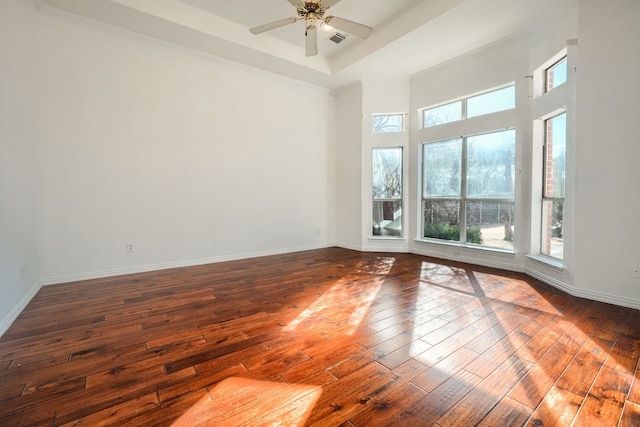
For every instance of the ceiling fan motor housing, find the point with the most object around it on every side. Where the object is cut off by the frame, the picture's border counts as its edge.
(311, 11)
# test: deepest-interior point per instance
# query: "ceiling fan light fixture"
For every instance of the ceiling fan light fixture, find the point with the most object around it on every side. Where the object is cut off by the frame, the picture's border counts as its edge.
(358, 30)
(312, 12)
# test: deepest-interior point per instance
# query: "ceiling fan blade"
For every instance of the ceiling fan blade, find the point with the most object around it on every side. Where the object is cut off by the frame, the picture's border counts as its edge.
(271, 25)
(328, 3)
(311, 41)
(350, 27)
(295, 3)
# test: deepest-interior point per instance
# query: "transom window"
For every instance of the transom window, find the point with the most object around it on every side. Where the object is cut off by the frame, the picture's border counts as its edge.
(491, 102)
(470, 106)
(387, 123)
(556, 74)
(441, 114)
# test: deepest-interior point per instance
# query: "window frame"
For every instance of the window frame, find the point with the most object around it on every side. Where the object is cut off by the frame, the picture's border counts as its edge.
(463, 199)
(438, 106)
(546, 233)
(546, 105)
(402, 121)
(399, 200)
(539, 75)
(463, 100)
(552, 67)
(484, 93)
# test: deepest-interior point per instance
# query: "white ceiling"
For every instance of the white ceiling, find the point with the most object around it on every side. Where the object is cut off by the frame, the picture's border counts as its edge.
(408, 36)
(374, 13)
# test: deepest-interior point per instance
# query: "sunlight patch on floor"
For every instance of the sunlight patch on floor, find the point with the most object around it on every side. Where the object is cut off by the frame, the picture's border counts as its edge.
(241, 401)
(342, 302)
(454, 278)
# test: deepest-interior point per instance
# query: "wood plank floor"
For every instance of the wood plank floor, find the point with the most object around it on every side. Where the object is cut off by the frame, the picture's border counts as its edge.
(328, 337)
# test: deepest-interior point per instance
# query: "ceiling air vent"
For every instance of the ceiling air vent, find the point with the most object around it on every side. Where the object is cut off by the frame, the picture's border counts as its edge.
(337, 38)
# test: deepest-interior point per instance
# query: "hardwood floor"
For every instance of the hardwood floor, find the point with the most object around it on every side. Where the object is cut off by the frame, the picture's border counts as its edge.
(329, 337)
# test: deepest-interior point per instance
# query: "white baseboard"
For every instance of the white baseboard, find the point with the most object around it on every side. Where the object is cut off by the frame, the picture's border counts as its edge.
(584, 293)
(168, 265)
(13, 314)
(536, 274)
(349, 246)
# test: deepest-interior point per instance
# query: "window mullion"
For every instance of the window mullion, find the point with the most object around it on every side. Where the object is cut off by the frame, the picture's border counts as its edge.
(463, 190)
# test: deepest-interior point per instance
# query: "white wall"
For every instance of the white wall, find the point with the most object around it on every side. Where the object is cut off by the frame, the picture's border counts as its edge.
(608, 149)
(186, 157)
(19, 171)
(111, 138)
(348, 167)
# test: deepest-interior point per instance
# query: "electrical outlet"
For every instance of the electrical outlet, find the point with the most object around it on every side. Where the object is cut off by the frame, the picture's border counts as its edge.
(128, 247)
(635, 271)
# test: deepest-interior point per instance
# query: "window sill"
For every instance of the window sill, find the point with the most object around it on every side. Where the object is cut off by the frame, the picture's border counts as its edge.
(460, 245)
(392, 238)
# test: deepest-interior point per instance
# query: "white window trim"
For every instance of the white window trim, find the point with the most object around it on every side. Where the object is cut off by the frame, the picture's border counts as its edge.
(464, 99)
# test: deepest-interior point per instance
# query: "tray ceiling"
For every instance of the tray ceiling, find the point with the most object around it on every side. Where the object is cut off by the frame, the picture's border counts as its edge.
(408, 36)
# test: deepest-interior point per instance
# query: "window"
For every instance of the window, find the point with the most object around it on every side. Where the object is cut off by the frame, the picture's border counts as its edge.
(553, 185)
(387, 123)
(470, 106)
(442, 114)
(556, 74)
(491, 102)
(387, 191)
(468, 189)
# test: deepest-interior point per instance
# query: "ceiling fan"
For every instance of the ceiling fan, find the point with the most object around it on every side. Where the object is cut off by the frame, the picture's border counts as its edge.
(312, 12)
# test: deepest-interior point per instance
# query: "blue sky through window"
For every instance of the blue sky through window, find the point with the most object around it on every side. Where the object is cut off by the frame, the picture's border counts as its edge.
(490, 102)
